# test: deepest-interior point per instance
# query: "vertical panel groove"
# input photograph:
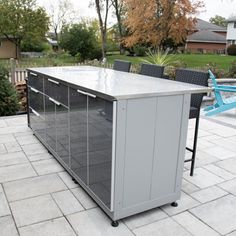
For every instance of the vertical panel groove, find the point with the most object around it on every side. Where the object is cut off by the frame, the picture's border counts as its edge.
(180, 134)
(156, 114)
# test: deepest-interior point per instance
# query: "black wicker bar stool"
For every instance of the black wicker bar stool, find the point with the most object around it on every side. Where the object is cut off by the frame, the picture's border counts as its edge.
(198, 78)
(122, 65)
(152, 70)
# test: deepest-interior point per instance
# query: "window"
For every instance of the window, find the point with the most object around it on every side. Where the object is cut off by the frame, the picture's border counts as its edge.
(0, 43)
(235, 25)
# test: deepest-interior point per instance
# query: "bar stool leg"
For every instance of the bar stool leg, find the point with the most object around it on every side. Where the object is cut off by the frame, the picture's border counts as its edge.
(194, 144)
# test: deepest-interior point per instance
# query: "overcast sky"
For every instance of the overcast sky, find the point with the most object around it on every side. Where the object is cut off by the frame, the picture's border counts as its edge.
(223, 8)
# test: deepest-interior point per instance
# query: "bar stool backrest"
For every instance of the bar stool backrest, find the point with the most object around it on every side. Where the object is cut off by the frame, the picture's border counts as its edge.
(152, 70)
(193, 77)
(122, 65)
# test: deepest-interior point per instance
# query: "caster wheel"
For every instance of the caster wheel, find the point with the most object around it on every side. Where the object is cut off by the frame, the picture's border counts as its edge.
(174, 204)
(74, 180)
(49, 152)
(115, 223)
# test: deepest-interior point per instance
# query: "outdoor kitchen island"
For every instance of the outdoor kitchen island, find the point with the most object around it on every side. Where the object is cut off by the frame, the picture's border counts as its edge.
(120, 135)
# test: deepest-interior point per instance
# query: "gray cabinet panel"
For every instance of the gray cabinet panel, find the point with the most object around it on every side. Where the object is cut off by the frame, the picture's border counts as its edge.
(35, 81)
(62, 133)
(100, 114)
(37, 123)
(50, 119)
(36, 112)
(56, 90)
(140, 131)
(166, 153)
(78, 134)
(35, 99)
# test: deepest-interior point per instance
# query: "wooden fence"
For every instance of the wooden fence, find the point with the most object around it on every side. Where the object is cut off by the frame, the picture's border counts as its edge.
(17, 75)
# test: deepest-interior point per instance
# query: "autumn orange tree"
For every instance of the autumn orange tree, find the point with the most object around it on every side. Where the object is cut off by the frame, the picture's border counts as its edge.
(153, 22)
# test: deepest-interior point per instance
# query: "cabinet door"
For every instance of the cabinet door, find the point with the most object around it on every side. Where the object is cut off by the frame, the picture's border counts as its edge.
(100, 114)
(35, 99)
(62, 133)
(56, 90)
(37, 123)
(78, 134)
(35, 81)
(50, 118)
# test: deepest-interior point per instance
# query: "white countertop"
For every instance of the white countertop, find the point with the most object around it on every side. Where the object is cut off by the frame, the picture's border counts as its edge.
(116, 84)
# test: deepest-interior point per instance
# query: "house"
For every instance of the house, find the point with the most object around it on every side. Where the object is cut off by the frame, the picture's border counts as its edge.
(231, 31)
(8, 48)
(52, 40)
(53, 43)
(206, 38)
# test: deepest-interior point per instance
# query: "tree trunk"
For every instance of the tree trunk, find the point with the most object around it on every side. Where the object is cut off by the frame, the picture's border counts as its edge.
(120, 33)
(119, 23)
(17, 44)
(103, 24)
(56, 34)
(104, 43)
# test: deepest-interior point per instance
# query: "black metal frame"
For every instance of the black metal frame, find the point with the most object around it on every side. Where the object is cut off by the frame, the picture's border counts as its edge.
(27, 100)
(194, 149)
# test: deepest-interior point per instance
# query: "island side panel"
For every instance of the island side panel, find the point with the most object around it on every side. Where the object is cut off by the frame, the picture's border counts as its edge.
(140, 131)
(136, 176)
(119, 156)
(167, 145)
(182, 142)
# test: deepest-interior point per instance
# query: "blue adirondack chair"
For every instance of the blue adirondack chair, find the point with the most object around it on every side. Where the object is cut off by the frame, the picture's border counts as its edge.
(221, 104)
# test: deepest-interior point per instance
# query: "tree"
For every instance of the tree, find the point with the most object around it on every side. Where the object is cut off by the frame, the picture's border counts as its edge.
(93, 25)
(218, 20)
(22, 20)
(9, 102)
(119, 11)
(102, 8)
(61, 14)
(80, 40)
(152, 22)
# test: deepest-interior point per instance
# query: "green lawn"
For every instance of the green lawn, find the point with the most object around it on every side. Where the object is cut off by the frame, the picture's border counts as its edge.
(191, 60)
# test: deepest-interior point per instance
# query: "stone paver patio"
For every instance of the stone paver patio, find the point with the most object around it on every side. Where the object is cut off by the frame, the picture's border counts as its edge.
(38, 198)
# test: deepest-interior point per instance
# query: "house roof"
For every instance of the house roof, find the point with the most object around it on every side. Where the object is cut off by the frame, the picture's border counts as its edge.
(231, 19)
(51, 35)
(204, 25)
(52, 42)
(206, 36)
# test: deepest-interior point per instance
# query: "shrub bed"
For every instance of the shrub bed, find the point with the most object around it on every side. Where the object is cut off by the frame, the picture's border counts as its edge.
(9, 102)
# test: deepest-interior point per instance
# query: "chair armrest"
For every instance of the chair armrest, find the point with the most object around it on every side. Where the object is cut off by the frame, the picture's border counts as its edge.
(226, 86)
(225, 89)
